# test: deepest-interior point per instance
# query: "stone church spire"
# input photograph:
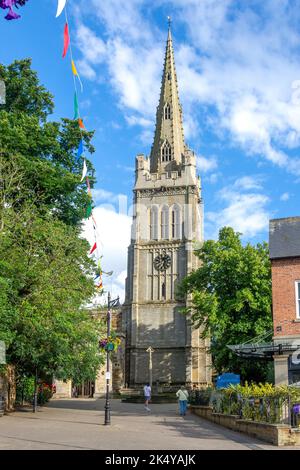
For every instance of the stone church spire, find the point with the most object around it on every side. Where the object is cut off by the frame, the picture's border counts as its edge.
(169, 145)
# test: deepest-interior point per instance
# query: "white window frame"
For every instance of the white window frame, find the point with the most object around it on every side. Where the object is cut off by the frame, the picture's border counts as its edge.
(154, 223)
(297, 298)
(166, 152)
(176, 223)
(167, 112)
(164, 219)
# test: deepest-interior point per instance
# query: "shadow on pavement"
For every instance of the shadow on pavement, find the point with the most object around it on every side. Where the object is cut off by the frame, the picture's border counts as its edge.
(193, 426)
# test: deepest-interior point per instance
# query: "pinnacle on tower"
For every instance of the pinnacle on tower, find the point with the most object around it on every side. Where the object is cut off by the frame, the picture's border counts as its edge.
(168, 146)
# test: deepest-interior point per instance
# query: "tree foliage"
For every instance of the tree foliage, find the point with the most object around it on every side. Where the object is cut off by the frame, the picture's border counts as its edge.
(45, 151)
(231, 299)
(46, 275)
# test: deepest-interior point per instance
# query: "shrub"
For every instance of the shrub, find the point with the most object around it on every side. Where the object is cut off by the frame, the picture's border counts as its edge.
(44, 393)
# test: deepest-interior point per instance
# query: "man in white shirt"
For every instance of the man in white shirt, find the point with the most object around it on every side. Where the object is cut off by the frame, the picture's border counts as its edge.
(147, 395)
(183, 397)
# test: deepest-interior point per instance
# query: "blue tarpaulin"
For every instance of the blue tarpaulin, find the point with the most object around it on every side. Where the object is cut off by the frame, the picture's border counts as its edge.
(224, 380)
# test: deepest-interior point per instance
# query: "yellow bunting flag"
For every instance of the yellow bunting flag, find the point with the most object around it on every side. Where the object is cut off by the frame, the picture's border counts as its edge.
(76, 74)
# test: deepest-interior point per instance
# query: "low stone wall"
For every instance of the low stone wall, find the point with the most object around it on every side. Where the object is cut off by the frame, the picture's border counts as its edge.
(276, 434)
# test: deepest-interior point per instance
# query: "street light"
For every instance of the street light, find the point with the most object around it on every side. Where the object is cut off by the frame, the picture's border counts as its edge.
(110, 304)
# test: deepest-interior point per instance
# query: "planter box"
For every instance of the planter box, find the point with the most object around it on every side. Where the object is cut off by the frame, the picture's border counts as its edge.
(276, 434)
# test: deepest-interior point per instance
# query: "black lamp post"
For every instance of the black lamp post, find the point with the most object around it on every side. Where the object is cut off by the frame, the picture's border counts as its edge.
(110, 304)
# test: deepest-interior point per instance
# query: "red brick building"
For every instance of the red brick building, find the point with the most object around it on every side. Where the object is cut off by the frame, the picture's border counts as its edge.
(285, 259)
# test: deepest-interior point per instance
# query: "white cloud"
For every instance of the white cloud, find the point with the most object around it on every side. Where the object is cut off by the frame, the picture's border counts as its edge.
(248, 182)
(285, 197)
(138, 121)
(244, 212)
(95, 51)
(102, 195)
(113, 235)
(240, 59)
(213, 178)
(205, 165)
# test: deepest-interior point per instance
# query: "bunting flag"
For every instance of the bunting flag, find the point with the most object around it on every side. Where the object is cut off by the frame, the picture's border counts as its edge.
(80, 149)
(76, 107)
(98, 282)
(66, 40)
(80, 122)
(60, 7)
(84, 171)
(89, 210)
(94, 248)
(89, 187)
(94, 222)
(76, 74)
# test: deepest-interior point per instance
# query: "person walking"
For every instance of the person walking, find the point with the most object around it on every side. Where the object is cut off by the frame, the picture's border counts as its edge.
(182, 396)
(147, 395)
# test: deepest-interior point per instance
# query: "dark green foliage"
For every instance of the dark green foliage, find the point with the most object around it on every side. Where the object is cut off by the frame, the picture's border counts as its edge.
(46, 275)
(231, 294)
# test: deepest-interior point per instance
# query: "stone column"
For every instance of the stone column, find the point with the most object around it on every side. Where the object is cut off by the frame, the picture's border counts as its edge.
(281, 370)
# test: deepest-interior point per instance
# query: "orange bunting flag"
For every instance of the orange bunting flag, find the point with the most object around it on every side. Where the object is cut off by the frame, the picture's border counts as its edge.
(93, 249)
(76, 74)
(66, 40)
(80, 122)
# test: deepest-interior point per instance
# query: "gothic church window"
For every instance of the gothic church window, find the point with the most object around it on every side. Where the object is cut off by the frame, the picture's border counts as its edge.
(165, 223)
(167, 111)
(176, 223)
(154, 223)
(166, 152)
(163, 290)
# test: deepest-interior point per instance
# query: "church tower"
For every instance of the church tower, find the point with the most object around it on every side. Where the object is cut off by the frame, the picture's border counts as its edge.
(167, 223)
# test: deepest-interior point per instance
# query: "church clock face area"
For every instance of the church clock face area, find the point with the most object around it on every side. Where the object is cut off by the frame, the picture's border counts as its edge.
(162, 262)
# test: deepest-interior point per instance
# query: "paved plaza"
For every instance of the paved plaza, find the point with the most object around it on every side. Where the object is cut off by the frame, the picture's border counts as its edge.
(78, 424)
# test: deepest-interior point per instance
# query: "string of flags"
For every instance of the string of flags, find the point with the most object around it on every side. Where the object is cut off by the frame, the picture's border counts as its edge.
(67, 47)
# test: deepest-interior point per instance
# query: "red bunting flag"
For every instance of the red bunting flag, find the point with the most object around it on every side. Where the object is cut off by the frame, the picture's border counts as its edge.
(66, 40)
(93, 249)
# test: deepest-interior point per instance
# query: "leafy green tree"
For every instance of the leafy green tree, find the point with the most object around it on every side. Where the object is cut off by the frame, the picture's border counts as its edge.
(46, 275)
(44, 150)
(231, 299)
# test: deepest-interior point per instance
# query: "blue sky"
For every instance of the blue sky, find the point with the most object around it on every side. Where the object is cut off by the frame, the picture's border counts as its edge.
(238, 65)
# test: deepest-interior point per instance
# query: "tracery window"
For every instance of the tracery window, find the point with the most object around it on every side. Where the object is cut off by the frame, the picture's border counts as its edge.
(165, 223)
(166, 152)
(167, 111)
(176, 223)
(154, 223)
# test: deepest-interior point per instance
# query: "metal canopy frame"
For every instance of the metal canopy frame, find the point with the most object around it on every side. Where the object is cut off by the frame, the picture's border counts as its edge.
(260, 348)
